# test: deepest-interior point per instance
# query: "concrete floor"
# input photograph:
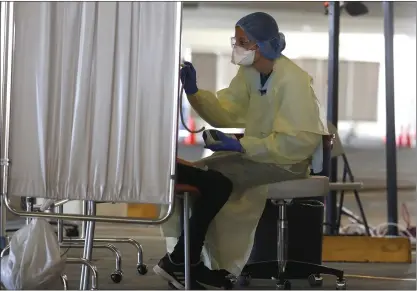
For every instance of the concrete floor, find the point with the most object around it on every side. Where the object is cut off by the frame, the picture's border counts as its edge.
(397, 276)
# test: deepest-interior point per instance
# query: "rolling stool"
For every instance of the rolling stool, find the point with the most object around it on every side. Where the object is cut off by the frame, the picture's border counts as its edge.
(282, 269)
(279, 193)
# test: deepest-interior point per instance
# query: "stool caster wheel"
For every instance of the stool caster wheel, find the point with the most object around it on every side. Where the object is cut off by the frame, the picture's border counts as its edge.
(244, 280)
(341, 284)
(116, 277)
(315, 281)
(283, 285)
(142, 269)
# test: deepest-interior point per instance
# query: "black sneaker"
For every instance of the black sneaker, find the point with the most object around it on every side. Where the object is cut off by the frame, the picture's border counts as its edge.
(225, 273)
(171, 272)
(212, 279)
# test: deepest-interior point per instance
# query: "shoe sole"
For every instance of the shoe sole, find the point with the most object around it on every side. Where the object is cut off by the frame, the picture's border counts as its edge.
(161, 272)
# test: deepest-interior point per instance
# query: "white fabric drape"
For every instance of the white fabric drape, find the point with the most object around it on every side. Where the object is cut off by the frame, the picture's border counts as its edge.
(94, 91)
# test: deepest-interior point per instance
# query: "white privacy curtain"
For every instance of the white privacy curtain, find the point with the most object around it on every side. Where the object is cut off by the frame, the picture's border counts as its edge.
(93, 102)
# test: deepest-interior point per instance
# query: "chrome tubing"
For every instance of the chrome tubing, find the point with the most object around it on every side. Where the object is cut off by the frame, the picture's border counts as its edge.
(64, 280)
(112, 248)
(187, 259)
(59, 203)
(7, 34)
(3, 252)
(90, 266)
(88, 246)
(130, 241)
(113, 240)
(99, 218)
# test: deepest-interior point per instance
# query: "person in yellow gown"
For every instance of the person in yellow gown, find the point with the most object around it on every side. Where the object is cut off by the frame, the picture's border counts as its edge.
(273, 100)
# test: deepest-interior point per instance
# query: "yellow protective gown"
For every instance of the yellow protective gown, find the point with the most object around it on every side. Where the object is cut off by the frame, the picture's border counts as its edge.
(282, 127)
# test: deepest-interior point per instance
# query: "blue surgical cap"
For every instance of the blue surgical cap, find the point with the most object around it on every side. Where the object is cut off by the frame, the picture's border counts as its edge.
(262, 28)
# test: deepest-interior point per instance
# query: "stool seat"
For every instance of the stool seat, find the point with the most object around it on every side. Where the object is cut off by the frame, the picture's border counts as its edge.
(300, 188)
(183, 188)
(346, 186)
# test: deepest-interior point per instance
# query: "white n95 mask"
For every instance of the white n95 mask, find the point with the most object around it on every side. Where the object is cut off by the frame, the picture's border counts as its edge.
(242, 57)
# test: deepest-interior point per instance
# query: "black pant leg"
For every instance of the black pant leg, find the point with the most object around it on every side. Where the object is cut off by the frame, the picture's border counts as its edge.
(215, 190)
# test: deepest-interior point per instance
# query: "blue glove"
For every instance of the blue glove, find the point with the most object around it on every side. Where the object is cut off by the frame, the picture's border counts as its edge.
(226, 144)
(188, 77)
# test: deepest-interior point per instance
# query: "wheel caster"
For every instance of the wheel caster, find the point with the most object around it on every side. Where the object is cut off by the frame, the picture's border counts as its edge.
(283, 285)
(341, 284)
(142, 269)
(244, 280)
(315, 281)
(116, 277)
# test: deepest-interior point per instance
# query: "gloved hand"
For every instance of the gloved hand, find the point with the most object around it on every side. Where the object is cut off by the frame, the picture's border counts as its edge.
(188, 77)
(225, 143)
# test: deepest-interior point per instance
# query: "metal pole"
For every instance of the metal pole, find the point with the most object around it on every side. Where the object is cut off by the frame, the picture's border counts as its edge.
(356, 193)
(391, 150)
(88, 246)
(6, 25)
(2, 207)
(333, 106)
(84, 223)
(29, 207)
(282, 239)
(187, 258)
(60, 224)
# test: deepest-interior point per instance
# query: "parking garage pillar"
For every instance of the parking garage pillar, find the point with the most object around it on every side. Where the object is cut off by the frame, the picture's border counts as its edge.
(391, 149)
(332, 107)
